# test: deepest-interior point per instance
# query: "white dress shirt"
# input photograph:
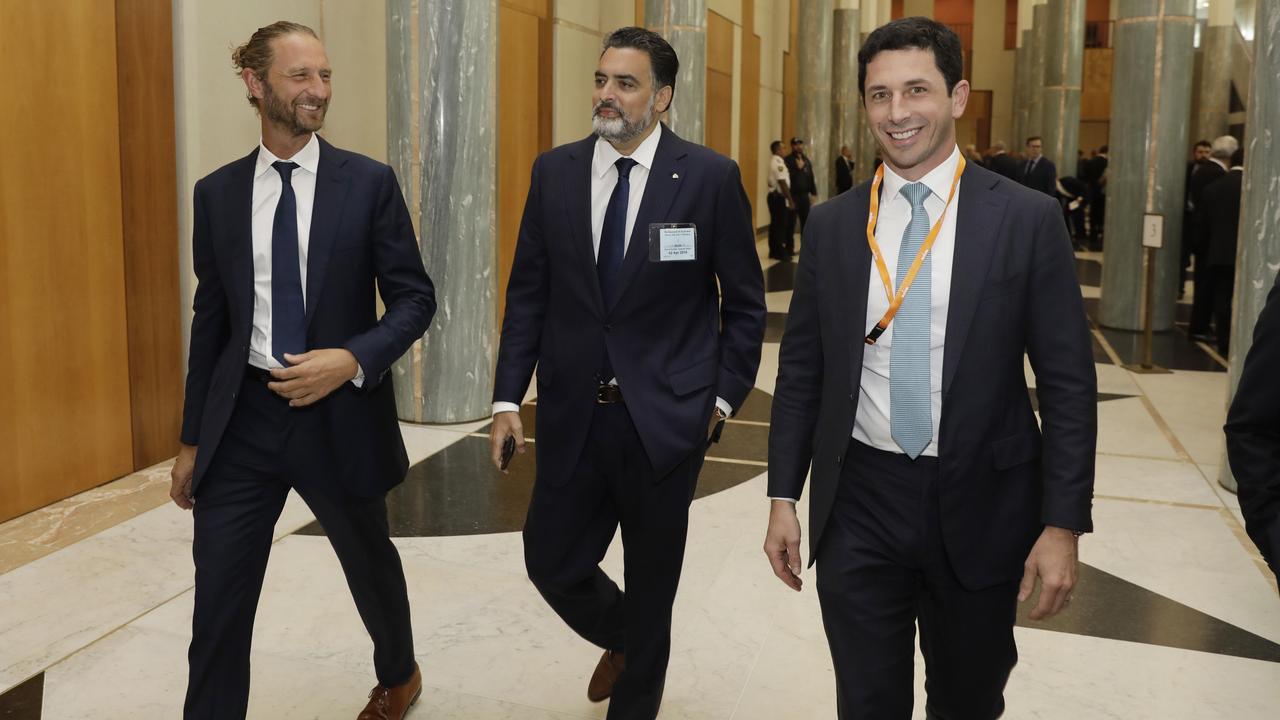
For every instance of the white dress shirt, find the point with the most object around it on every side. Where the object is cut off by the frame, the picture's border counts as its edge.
(871, 425)
(604, 178)
(778, 172)
(266, 196)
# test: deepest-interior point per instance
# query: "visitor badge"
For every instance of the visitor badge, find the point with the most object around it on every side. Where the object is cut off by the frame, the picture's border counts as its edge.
(673, 242)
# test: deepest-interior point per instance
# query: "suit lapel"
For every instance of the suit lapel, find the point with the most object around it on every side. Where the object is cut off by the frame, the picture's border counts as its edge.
(855, 265)
(577, 201)
(331, 193)
(660, 190)
(240, 253)
(979, 214)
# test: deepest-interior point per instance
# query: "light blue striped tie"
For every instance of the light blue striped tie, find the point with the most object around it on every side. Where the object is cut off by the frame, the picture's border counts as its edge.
(910, 413)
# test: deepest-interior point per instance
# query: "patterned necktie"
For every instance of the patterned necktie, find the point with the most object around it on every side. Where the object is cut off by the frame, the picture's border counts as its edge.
(910, 412)
(288, 314)
(613, 245)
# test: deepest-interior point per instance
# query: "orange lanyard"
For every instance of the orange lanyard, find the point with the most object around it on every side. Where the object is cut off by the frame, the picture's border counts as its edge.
(896, 298)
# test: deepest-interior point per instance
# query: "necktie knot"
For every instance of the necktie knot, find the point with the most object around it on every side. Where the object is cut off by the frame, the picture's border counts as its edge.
(624, 165)
(915, 193)
(285, 168)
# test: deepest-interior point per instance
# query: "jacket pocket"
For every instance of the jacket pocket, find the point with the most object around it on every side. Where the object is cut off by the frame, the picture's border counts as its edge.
(694, 377)
(1015, 450)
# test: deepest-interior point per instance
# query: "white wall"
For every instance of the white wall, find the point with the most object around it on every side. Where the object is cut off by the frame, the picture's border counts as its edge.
(216, 125)
(773, 25)
(993, 67)
(578, 30)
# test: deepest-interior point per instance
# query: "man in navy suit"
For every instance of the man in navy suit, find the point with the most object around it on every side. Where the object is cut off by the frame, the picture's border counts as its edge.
(613, 297)
(1038, 172)
(287, 384)
(936, 499)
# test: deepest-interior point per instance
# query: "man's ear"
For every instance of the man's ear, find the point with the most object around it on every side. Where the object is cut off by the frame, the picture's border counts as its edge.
(664, 99)
(253, 83)
(959, 98)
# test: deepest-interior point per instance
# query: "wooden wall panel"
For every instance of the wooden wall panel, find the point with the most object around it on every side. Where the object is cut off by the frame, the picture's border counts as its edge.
(749, 143)
(524, 92)
(1095, 92)
(65, 423)
(144, 53)
(718, 125)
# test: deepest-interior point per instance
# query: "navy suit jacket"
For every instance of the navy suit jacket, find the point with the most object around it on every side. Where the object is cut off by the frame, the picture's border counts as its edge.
(1013, 291)
(360, 233)
(1253, 433)
(674, 342)
(1042, 177)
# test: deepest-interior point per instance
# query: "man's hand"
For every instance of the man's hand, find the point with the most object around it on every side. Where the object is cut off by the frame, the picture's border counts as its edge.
(314, 375)
(184, 468)
(1053, 559)
(505, 425)
(782, 543)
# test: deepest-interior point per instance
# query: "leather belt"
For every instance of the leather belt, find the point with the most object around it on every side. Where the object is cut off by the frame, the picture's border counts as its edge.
(257, 373)
(608, 395)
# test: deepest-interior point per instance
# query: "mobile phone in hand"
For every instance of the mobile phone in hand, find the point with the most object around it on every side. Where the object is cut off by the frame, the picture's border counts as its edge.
(508, 450)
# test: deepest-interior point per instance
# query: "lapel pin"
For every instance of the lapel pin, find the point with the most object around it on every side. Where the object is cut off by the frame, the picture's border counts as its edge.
(675, 176)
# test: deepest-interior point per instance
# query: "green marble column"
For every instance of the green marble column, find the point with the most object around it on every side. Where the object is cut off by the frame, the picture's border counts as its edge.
(1150, 112)
(1216, 39)
(1035, 81)
(1259, 250)
(441, 136)
(813, 101)
(845, 105)
(1064, 66)
(1021, 93)
(684, 24)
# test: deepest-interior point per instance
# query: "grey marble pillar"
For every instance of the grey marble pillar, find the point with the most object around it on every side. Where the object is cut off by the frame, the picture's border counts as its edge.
(441, 137)
(1064, 66)
(1035, 81)
(813, 100)
(1210, 119)
(864, 153)
(1259, 250)
(684, 24)
(1150, 110)
(1021, 93)
(845, 105)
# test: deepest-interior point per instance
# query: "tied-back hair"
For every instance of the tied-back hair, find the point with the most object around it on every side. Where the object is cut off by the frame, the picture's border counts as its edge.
(257, 55)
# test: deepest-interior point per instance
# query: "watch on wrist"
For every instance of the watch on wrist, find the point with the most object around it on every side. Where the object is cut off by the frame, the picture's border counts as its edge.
(720, 414)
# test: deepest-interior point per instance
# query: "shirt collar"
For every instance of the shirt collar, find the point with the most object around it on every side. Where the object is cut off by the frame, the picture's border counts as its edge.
(938, 179)
(607, 154)
(308, 158)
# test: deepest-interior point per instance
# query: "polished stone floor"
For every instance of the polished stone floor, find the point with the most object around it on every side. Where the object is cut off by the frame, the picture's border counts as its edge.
(1175, 616)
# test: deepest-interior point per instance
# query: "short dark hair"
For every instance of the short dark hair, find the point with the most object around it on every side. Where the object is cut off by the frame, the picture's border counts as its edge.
(773, 146)
(1204, 143)
(662, 57)
(1103, 149)
(1034, 137)
(920, 33)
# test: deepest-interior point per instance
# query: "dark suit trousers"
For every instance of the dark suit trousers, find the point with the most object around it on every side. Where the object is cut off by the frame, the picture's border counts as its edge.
(779, 224)
(803, 203)
(236, 507)
(882, 568)
(1202, 301)
(568, 530)
(1224, 286)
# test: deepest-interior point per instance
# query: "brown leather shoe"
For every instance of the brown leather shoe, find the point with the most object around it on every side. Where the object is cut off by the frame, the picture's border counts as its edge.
(607, 671)
(392, 703)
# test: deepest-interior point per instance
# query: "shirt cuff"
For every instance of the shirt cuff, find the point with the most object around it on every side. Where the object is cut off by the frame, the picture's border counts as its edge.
(505, 407)
(358, 380)
(724, 406)
(793, 501)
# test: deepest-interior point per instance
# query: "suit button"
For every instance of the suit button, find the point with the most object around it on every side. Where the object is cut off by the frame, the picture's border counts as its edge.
(852, 398)
(839, 459)
(233, 396)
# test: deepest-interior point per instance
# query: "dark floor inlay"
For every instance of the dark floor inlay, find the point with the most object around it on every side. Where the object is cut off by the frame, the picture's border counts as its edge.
(757, 407)
(1110, 607)
(458, 492)
(1089, 272)
(774, 325)
(24, 701)
(781, 276)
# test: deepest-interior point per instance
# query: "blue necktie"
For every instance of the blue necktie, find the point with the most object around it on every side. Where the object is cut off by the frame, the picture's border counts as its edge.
(613, 245)
(910, 412)
(288, 314)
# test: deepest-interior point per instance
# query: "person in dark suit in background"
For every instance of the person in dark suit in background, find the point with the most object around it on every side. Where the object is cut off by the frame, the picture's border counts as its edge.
(1253, 434)
(287, 383)
(804, 188)
(844, 170)
(1221, 205)
(936, 497)
(782, 241)
(1038, 172)
(1220, 153)
(1096, 177)
(1199, 158)
(613, 297)
(1002, 163)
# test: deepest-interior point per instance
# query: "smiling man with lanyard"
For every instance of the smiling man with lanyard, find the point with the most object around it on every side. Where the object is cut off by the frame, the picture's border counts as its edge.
(936, 499)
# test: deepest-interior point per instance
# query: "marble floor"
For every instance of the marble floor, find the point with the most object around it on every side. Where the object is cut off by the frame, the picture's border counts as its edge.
(1175, 616)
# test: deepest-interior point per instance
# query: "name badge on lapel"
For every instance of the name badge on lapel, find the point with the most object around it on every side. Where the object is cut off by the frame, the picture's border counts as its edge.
(673, 242)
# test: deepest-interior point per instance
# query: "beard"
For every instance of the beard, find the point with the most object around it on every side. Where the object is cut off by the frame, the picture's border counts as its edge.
(621, 129)
(283, 113)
